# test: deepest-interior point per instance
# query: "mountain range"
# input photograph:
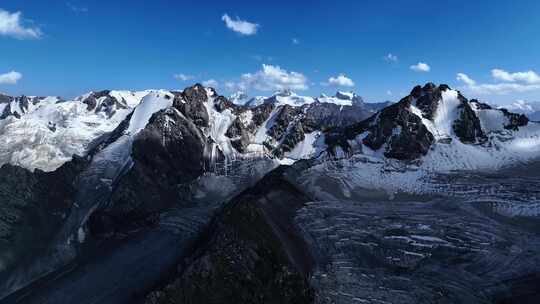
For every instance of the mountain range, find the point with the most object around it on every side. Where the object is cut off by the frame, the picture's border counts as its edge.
(192, 197)
(531, 109)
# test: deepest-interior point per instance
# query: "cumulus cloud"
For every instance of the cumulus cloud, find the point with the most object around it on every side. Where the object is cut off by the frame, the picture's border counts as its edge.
(270, 78)
(210, 83)
(240, 26)
(465, 79)
(390, 58)
(11, 25)
(529, 77)
(183, 77)
(420, 67)
(340, 81)
(511, 83)
(10, 78)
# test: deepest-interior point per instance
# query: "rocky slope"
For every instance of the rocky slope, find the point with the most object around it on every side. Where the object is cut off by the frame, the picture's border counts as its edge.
(252, 252)
(44, 132)
(382, 216)
(144, 153)
(306, 234)
(158, 165)
(432, 117)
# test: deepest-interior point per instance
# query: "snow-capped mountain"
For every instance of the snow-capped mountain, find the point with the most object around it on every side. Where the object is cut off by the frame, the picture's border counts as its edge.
(433, 130)
(172, 158)
(431, 181)
(44, 132)
(288, 97)
(531, 109)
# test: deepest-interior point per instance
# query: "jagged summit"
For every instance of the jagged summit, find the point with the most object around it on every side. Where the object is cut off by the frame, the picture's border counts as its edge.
(287, 96)
(170, 158)
(286, 125)
(438, 123)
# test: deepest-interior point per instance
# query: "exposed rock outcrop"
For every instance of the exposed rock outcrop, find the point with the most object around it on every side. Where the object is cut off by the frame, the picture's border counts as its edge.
(168, 154)
(32, 209)
(253, 252)
(190, 102)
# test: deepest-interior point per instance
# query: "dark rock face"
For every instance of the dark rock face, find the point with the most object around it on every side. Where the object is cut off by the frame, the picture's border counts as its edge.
(284, 118)
(23, 104)
(221, 104)
(253, 252)
(91, 100)
(191, 103)
(239, 135)
(467, 127)
(261, 113)
(405, 134)
(323, 116)
(290, 124)
(5, 98)
(108, 105)
(427, 99)
(514, 120)
(168, 153)
(295, 135)
(407, 137)
(33, 206)
(172, 144)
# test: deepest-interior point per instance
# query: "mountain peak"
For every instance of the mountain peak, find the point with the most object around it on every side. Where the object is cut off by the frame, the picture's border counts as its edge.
(285, 93)
(239, 97)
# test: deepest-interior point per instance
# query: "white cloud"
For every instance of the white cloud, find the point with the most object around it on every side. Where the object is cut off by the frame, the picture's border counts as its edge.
(295, 41)
(183, 77)
(340, 81)
(466, 79)
(76, 8)
(420, 67)
(270, 78)
(240, 26)
(529, 77)
(389, 93)
(390, 58)
(11, 25)
(497, 88)
(10, 78)
(210, 83)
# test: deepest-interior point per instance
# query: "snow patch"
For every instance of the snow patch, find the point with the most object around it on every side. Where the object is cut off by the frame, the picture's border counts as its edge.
(150, 104)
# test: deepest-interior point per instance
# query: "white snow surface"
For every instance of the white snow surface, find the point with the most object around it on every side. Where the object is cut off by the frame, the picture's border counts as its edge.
(312, 145)
(371, 169)
(219, 123)
(50, 132)
(444, 117)
(290, 98)
(150, 104)
(341, 98)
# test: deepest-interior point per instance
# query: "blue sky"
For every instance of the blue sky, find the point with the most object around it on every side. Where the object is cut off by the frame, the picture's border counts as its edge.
(487, 49)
